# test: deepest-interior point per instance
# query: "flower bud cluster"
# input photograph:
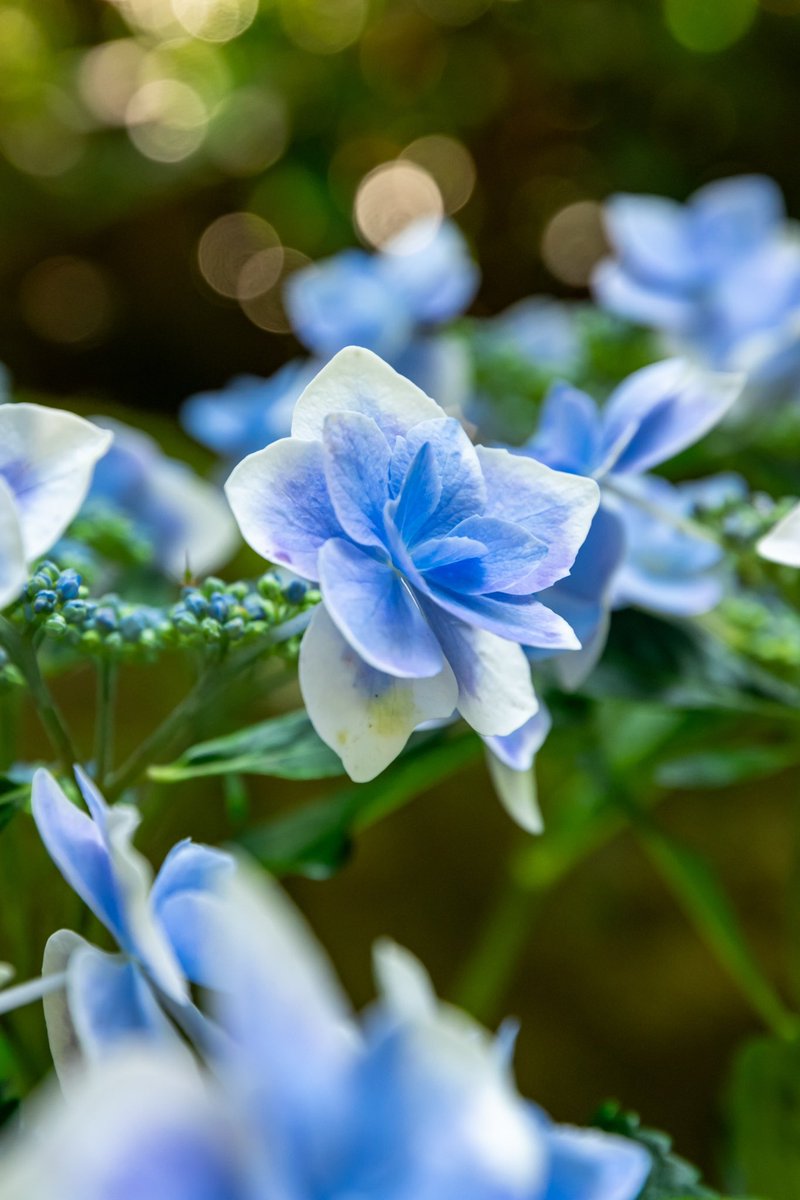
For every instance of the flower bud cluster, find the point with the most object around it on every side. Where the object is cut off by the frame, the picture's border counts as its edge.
(57, 603)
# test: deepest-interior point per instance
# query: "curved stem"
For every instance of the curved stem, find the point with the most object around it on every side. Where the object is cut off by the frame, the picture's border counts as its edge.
(104, 718)
(23, 655)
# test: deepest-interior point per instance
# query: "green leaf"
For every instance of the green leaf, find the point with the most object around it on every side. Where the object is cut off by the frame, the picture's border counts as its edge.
(14, 798)
(286, 747)
(671, 1177)
(315, 840)
(701, 895)
(764, 1116)
(721, 768)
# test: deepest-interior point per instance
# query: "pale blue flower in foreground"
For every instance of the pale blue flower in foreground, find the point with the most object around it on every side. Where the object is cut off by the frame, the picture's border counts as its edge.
(782, 543)
(184, 518)
(643, 548)
(428, 551)
(719, 277)
(306, 1102)
(46, 462)
(159, 925)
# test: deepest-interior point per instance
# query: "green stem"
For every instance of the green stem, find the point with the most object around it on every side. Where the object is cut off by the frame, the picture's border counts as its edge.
(8, 723)
(206, 691)
(23, 655)
(104, 720)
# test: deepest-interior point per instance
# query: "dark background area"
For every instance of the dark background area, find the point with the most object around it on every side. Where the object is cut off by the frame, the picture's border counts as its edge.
(556, 103)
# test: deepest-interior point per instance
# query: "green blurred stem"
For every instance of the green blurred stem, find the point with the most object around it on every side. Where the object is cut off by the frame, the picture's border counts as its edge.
(8, 725)
(535, 867)
(704, 902)
(23, 655)
(104, 719)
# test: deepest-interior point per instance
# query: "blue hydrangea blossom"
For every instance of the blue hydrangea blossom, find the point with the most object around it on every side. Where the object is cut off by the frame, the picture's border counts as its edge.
(183, 517)
(159, 925)
(719, 277)
(46, 462)
(413, 1102)
(428, 551)
(642, 549)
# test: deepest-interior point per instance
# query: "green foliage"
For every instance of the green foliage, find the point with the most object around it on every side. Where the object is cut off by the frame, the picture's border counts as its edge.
(764, 1117)
(672, 1177)
(285, 747)
(316, 839)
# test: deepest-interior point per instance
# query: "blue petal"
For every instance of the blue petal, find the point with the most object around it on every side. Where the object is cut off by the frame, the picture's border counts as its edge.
(517, 618)
(568, 435)
(346, 301)
(519, 749)
(622, 293)
(508, 554)
(429, 265)
(280, 499)
(463, 491)
(184, 899)
(442, 552)
(110, 1002)
(595, 1166)
(420, 493)
(357, 459)
(652, 236)
(377, 613)
(557, 508)
(660, 410)
(249, 412)
(77, 847)
(732, 217)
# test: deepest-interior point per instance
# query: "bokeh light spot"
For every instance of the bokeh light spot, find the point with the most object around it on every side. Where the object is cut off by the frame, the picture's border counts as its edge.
(67, 300)
(108, 78)
(250, 132)
(709, 25)
(450, 164)
(228, 248)
(392, 197)
(573, 242)
(324, 26)
(215, 20)
(267, 310)
(166, 120)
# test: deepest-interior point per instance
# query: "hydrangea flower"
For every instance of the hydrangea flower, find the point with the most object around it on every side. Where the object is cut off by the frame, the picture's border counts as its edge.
(413, 1102)
(428, 551)
(46, 462)
(183, 517)
(422, 277)
(159, 925)
(642, 549)
(249, 412)
(718, 276)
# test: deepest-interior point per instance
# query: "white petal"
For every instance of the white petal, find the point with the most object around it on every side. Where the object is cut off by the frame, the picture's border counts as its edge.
(63, 1039)
(366, 717)
(356, 380)
(404, 983)
(782, 543)
(47, 458)
(516, 791)
(12, 555)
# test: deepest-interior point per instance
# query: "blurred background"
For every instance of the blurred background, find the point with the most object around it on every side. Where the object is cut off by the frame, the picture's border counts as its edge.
(147, 145)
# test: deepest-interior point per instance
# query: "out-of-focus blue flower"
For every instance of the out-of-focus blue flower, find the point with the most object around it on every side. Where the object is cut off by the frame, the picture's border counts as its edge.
(642, 548)
(46, 462)
(541, 331)
(428, 552)
(183, 517)
(413, 1102)
(423, 277)
(161, 926)
(249, 412)
(718, 276)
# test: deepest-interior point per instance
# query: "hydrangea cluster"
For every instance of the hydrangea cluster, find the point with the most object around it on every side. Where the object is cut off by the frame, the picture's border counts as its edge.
(297, 1097)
